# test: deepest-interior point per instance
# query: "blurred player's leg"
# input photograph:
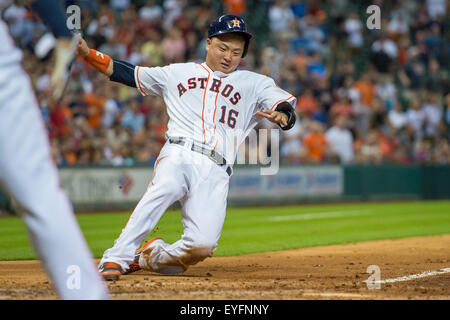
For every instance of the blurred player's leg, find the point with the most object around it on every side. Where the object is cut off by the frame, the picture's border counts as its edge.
(28, 173)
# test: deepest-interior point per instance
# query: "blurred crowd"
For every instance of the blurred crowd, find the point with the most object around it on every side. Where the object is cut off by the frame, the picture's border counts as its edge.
(364, 95)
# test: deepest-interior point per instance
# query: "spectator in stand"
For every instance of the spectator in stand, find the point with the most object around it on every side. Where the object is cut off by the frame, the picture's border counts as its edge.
(378, 115)
(132, 118)
(119, 5)
(435, 42)
(416, 118)
(387, 144)
(307, 104)
(341, 106)
(340, 139)
(299, 8)
(434, 78)
(152, 50)
(396, 117)
(96, 103)
(315, 144)
(436, 8)
(384, 52)
(422, 151)
(78, 105)
(118, 135)
(117, 158)
(173, 9)
(433, 115)
(313, 34)
(343, 69)
(280, 16)
(369, 151)
(441, 154)
(272, 60)
(173, 46)
(398, 26)
(324, 97)
(111, 107)
(413, 75)
(353, 27)
(291, 146)
(366, 88)
(315, 67)
(300, 61)
(151, 13)
(360, 111)
(60, 119)
(386, 91)
(68, 155)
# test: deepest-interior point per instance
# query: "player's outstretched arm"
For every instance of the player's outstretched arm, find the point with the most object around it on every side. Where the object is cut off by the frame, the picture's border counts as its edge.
(283, 115)
(116, 70)
(100, 61)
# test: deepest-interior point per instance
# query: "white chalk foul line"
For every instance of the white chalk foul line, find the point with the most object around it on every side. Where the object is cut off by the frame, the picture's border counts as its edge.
(319, 215)
(412, 277)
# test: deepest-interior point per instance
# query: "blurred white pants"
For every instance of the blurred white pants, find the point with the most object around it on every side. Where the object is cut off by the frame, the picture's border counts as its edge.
(28, 173)
(201, 186)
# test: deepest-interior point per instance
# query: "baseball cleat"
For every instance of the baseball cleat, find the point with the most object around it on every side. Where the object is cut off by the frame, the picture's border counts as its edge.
(110, 271)
(135, 265)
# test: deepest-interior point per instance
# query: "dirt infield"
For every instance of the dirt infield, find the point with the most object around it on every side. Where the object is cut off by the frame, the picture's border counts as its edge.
(328, 272)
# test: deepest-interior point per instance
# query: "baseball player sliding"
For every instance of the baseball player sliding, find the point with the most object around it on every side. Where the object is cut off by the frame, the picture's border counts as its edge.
(212, 107)
(27, 171)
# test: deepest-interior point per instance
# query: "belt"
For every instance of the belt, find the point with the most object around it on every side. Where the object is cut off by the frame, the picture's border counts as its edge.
(212, 154)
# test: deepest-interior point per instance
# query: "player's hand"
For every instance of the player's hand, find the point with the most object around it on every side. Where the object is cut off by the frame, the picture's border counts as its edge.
(64, 51)
(274, 116)
(82, 49)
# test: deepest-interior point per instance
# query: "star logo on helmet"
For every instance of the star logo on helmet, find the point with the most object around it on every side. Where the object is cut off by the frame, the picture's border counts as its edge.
(236, 23)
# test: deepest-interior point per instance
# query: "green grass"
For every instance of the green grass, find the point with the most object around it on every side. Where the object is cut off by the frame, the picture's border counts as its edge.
(249, 230)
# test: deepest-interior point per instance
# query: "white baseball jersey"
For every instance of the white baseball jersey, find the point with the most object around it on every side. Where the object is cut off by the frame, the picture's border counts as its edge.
(212, 108)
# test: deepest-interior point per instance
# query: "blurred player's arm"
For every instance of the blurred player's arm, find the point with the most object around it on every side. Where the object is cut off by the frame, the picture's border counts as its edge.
(52, 14)
(116, 70)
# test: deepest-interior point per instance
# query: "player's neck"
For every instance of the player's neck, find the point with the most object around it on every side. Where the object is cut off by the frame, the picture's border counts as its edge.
(214, 70)
(209, 65)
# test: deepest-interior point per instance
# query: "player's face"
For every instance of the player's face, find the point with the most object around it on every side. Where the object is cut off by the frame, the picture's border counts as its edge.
(224, 52)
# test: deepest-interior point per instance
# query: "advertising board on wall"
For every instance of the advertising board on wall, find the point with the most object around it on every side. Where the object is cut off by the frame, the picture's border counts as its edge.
(112, 186)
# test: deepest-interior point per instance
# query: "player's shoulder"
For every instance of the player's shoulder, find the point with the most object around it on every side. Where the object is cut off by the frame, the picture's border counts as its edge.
(254, 81)
(255, 77)
(248, 73)
(183, 65)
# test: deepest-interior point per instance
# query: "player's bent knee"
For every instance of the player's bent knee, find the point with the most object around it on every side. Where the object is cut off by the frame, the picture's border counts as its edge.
(192, 253)
(197, 252)
(190, 257)
(200, 253)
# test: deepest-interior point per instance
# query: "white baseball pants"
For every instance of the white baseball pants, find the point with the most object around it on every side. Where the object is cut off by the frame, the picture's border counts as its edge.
(201, 186)
(28, 173)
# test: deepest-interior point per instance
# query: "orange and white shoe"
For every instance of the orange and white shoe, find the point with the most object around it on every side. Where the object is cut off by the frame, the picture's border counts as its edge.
(110, 271)
(135, 265)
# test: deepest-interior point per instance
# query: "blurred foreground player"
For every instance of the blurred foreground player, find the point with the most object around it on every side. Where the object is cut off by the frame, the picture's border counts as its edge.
(28, 173)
